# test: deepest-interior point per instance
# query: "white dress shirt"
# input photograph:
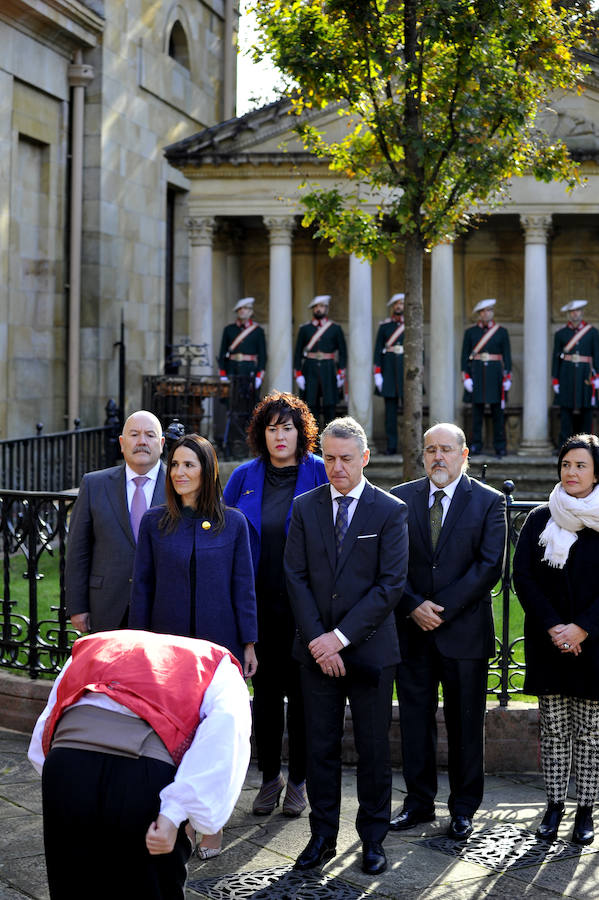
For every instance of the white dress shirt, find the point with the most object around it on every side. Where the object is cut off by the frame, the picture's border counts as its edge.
(211, 774)
(449, 492)
(355, 494)
(148, 487)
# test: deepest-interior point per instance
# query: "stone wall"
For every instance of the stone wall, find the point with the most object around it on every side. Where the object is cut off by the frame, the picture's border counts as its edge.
(511, 743)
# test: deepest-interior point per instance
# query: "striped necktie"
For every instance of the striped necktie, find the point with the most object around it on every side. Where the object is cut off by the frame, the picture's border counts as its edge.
(341, 521)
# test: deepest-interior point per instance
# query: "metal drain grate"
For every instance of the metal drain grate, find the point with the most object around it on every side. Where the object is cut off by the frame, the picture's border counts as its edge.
(506, 847)
(278, 883)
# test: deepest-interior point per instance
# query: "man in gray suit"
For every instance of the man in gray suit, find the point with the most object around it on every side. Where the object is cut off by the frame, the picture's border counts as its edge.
(104, 525)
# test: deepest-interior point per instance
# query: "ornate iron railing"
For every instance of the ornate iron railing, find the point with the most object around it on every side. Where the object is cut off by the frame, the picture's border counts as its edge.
(55, 462)
(506, 671)
(34, 525)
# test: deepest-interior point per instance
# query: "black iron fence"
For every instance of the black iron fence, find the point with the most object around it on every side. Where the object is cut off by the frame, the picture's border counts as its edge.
(55, 462)
(35, 635)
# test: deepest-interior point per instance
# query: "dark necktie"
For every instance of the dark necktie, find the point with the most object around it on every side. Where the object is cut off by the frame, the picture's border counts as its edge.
(138, 503)
(436, 517)
(341, 521)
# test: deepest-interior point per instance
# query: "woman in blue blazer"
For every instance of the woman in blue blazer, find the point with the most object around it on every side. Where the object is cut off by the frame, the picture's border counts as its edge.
(282, 433)
(193, 573)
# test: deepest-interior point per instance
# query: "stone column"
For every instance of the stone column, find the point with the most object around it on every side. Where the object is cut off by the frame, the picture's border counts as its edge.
(201, 232)
(442, 351)
(279, 368)
(80, 75)
(360, 343)
(535, 426)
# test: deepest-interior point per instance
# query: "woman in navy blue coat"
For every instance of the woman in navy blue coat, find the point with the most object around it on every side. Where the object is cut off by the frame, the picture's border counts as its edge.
(282, 433)
(193, 573)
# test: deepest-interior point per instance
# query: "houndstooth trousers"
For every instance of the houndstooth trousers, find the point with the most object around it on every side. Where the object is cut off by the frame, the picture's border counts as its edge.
(570, 728)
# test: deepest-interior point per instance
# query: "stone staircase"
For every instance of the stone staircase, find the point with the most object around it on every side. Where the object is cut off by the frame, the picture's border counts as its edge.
(533, 477)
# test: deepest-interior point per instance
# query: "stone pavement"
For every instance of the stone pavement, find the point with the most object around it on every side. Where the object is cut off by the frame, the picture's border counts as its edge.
(501, 860)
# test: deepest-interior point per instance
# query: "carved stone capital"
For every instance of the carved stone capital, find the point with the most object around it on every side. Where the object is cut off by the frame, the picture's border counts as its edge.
(280, 229)
(80, 74)
(536, 228)
(200, 230)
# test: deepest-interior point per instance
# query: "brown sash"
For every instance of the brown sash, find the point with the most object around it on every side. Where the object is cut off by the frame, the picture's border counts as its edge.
(484, 340)
(241, 337)
(397, 333)
(574, 340)
(317, 336)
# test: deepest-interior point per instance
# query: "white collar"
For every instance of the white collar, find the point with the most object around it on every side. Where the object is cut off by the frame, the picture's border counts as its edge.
(355, 492)
(449, 488)
(152, 474)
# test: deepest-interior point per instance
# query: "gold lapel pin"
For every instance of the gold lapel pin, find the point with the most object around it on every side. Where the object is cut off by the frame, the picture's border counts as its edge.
(206, 525)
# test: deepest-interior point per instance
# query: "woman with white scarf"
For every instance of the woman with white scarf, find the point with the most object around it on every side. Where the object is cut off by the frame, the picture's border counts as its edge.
(555, 577)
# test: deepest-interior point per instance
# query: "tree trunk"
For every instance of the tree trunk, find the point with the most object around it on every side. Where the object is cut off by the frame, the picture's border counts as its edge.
(413, 359)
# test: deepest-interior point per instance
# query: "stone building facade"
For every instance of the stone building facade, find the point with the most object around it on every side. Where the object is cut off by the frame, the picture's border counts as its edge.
(535, 252)
(91, 223)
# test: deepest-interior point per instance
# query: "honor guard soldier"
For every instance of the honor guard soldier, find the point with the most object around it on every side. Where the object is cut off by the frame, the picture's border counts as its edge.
(574, 370)
(243, 345)
(320, 359)
(486, 368)
(388, 367)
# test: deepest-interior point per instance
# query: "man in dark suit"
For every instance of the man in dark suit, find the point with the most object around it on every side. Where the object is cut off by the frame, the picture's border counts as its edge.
(104, 525)
(388, 367)
(457, 530)
(346, 560)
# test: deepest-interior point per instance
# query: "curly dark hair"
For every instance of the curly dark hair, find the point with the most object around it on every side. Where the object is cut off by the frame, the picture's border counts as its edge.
(588, 442)
(278, 407)
(210, 500)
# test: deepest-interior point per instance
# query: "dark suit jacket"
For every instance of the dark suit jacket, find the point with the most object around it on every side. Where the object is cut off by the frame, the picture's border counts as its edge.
(461, 572)
(357, 593)
(101, 548)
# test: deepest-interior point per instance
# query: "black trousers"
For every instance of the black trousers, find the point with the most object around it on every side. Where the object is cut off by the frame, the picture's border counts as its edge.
(277, 677)
(498, 425)
(391, 405)
(571, 422)
(464, 684)
(324, 703)
(97, 808)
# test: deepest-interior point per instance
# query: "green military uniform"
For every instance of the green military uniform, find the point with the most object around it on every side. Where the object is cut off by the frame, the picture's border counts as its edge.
(253, 346)
(573, 370)
(320, 373)
(487, 377)
(389, 362)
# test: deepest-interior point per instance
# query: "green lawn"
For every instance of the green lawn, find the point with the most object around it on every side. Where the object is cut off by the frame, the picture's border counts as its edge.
(49, 596)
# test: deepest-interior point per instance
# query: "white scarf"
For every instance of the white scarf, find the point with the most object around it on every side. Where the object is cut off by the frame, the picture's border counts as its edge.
(568, 515)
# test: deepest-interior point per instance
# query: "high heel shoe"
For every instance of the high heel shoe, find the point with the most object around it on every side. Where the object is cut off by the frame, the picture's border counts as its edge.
(205, 851)
(268, 796)
(547, 830)
(584, 832)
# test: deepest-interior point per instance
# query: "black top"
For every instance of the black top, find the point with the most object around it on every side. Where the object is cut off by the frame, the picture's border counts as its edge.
(277, 497)
(552, 596)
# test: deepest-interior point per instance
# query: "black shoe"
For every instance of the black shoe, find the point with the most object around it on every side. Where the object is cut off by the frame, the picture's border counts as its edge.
(317, 852)
(374, 860)
(460, 828)
(547, 830)
(584, 832)
(475, 450)
(500, 453)
(408, 818)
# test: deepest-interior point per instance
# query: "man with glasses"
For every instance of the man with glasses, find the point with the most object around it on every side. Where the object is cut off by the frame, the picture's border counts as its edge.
(457, 531)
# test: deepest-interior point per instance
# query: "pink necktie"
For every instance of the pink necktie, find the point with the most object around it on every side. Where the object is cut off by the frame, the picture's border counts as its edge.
(138, 503)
